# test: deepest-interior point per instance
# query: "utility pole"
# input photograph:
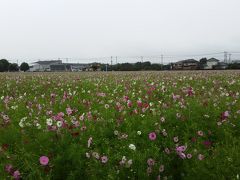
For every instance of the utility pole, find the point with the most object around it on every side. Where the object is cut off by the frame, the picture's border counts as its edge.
(106, 68)
(225, 56)
(111, 62)
(161, 62)
(141, 59)
(229, 60)
(116, 59)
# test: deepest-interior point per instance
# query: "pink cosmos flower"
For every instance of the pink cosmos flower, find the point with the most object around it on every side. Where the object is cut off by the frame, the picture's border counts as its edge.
(149, 170)
(175, 97)
(104, 159)
(139, 103)
(61, 114)
(190, 91)
(129, 103)
(207, 143)
(200, 133)
(152, 136)
(69, 111)
(181, 148)
(200, 157)
(16, 175)
(225, 115)
(161, 168)
(44, 160)
(182, 155)
(167, 151)
(150, 162)
(8, 168)
(189, 156)
(175, 139)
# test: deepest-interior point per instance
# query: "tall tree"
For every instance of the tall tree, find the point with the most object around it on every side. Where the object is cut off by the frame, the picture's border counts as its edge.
(4, 65)
(24, 66)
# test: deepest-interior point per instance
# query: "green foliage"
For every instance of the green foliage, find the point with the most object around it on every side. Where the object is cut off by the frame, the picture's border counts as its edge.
(13, 67)
(24, 66)
(4, 65)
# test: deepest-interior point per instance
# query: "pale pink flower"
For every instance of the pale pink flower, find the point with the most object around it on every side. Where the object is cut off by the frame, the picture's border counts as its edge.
(200, 133)
(90, 141)
(200, 157)
(189, 156)
(69, 111)
(104, 159)
(150, 162)
(175, 139)
(182, 155)
(161, 168)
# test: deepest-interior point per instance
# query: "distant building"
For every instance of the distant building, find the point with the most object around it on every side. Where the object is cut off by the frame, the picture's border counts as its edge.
(60, 67)
(43, 65)
(210, 63)
(57, 65)
(220, 65)
(189, 64)
(78, 66)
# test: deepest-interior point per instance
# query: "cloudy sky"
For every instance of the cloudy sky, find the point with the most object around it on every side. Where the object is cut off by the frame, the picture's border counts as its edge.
(48, 29)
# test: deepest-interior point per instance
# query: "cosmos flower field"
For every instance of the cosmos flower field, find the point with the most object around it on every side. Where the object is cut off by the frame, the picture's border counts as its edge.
(120, 125)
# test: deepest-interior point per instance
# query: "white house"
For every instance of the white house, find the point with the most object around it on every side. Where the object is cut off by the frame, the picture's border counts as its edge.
(43, 65)
(210, 63)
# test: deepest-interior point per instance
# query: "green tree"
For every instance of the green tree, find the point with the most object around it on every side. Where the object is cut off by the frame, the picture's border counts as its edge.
(13, 67)
(24, 66)
(4, 65)
(202, 63)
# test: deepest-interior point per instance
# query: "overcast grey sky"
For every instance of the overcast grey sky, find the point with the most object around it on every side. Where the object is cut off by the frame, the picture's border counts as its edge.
(34, 29)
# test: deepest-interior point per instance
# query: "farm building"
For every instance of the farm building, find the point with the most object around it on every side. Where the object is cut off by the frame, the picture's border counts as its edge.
(60, 67)
(43, 65)
(189, 64)
(57, 65)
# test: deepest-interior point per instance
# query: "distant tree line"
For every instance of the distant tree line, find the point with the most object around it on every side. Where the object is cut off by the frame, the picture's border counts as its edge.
(6, 66)
(139, 66)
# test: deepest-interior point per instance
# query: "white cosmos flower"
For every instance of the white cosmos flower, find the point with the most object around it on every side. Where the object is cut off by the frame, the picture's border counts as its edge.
(21, 124)
(38, 126)
(132, 147)
(116, 132)
(49, 121)
(59, 124)
(139, 133)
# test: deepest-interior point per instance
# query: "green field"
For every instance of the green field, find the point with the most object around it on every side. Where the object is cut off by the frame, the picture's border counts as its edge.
(120, 125)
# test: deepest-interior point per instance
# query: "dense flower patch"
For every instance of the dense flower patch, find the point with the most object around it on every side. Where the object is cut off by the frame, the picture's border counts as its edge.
(136, 125)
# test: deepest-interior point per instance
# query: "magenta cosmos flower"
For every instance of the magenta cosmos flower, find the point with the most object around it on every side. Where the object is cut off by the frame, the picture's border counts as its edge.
(44, 160)
(152, 136)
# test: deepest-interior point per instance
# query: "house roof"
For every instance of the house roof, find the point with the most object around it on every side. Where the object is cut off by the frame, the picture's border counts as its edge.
(213, 60)
(48, 62)
(187, 61)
